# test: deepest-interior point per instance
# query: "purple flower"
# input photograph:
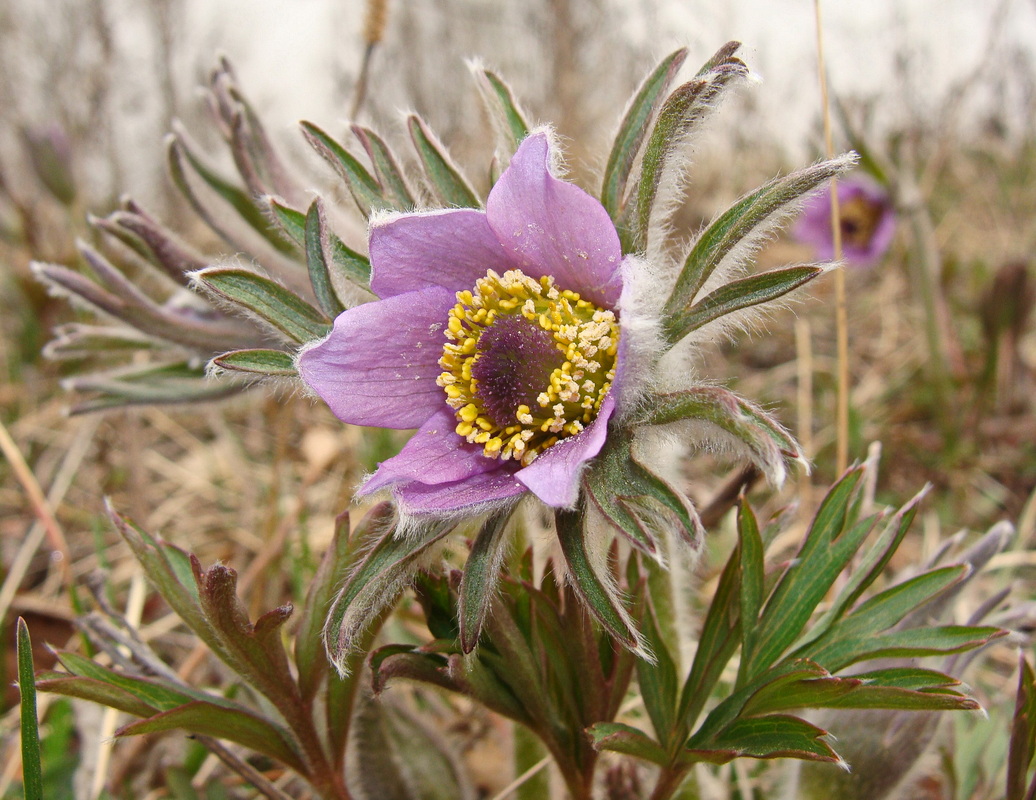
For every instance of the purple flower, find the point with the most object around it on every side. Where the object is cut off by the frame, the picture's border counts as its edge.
(866, 217)
(496, 335)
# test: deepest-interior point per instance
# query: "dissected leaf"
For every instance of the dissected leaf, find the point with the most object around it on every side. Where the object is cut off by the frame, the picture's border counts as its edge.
(773, 736)
(620, 738)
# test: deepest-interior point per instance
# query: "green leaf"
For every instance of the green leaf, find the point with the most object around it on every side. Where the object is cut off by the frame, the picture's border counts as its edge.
(155, 693)
(752, 572)
(242, 202)
(353, 266)
(620, 738)
(319, 259)
(402, 759)
(376, 582)
(1023, 734)
(822, 690)
(450, 187)
(719, 638)
(32, 764)
(633, 129)
(840, 653)
(868, 569)
(774, 736)
(259, 362)
(881, 612)
(767, 442)
(287, 312)
(234, 725)
(310, 659)
(166, 572)
(503, 110)
(95, 691)
(365, 189)
(640, 504)
(386, 170)
(658, 681)
(807, 579)
(291, 220)
(746, 220)
(597, 591)
(481, 574)
(735, 296)
(683, 111)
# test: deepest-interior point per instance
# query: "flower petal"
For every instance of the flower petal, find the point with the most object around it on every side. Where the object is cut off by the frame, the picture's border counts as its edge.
(434, 455)
(471, 495)
(379, 364)
(551, 227)
(554, 476)
(451, 249)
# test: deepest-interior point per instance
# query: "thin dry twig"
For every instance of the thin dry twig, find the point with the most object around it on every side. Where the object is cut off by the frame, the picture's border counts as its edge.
(841, 305)
(39, 503)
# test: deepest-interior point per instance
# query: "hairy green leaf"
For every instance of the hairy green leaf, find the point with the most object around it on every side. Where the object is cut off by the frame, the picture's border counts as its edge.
(598, 592)
(481, 574)
(276, 363)
(620, 738)
(319, 259)
(365, 189)
(386, 169)
(746, 219)
(444, 177)
(235, 725)
(503, 110)
(287, 312)
(242, 202)
(736, 296)
(633, 130)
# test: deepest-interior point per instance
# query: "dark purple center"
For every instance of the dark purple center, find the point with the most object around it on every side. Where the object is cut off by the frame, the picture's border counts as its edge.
(516, 358)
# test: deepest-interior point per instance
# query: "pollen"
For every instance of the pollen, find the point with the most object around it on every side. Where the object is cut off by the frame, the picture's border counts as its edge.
(526, 363)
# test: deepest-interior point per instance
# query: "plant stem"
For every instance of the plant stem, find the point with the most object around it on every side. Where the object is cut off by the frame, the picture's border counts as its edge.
(668, 782)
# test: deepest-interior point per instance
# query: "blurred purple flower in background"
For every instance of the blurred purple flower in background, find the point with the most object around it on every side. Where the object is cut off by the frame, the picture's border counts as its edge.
(496, 334)
(867, 219)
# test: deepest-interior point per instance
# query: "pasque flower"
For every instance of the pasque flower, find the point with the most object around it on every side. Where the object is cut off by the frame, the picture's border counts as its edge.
(531, 342)
(866, 218)
(498, 334)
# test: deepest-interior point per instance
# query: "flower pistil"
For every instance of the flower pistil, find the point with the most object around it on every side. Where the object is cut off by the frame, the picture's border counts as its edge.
(526, 363)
